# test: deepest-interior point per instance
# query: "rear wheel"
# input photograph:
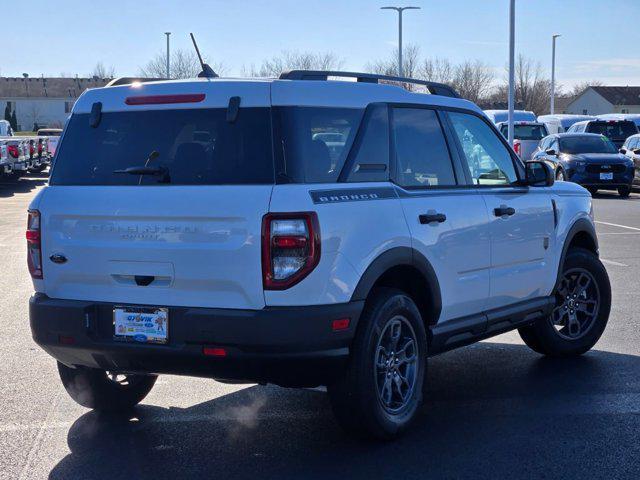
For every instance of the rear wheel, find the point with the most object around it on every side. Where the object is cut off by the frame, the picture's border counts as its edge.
(104, 390)
(381, 390)
(624, 192)
(583, 303)
(592, 190)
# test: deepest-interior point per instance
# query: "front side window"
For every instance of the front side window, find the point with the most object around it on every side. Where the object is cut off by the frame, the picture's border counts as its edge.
(422, 154)
(487, 158)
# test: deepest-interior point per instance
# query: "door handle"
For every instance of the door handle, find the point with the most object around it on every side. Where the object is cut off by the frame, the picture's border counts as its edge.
(503, 211)
(432, 217)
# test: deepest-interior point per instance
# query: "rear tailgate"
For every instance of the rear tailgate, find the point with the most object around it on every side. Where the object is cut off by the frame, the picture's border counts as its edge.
(188, 237)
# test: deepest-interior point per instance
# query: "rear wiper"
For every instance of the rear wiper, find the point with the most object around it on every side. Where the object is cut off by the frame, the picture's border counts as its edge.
(143, 170)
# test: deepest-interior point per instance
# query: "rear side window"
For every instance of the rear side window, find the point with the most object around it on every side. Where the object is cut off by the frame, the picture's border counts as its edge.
(421, 151)
(488, 159)
(316, 141)
(613, 130)
(194, 147)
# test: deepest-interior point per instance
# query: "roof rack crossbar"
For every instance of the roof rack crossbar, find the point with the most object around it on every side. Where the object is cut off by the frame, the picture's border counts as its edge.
(434, 88)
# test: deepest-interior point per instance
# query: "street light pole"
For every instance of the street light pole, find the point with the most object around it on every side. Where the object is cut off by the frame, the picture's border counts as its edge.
(168, 69)
(553, 73)
(512, 35)
(400, 10)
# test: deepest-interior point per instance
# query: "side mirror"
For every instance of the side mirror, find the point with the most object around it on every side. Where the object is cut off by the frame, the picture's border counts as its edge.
(539, 174)
(550, 151)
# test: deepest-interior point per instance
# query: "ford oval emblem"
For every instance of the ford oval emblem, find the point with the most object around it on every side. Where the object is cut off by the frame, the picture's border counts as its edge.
(140, 337)
(58, 258)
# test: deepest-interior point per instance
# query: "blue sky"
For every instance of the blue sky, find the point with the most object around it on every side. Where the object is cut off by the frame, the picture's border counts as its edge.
(599, 40)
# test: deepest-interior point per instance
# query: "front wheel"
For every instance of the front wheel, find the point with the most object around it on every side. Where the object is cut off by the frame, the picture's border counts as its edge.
(381, 390)
(624, 192)
(104, 390)
(583, 303)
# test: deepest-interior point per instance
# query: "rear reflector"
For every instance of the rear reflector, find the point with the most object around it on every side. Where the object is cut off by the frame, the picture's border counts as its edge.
(214, 352)
(340, 324)
(160, 99)
(66, 340)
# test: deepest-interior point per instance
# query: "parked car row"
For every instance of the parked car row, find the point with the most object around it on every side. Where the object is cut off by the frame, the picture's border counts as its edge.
(596, 152)
(21, 154)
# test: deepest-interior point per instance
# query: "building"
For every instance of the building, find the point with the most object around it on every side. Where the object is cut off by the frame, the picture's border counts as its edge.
(43, 101)
(598, 100)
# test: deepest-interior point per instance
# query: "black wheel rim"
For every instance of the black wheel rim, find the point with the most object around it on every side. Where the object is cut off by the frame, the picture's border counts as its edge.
(577, 304)
(396, 364)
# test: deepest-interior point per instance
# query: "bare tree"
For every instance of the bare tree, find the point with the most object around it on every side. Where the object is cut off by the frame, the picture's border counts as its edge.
(437, 70)
(389, 66)
(183, 64)
(473, 80)
(101, 71)
(34, 112)
(579, 88)
(291, 60)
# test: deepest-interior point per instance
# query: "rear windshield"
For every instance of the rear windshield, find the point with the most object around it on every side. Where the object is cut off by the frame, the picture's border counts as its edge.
(190, 147)
(614, 130)
(316, 141)
(525, 132)
(587, 144)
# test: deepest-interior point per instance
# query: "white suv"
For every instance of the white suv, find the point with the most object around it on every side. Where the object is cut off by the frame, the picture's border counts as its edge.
(300, 231)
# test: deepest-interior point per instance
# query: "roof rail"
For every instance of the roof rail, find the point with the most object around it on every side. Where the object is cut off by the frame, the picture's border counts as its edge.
(129, 80)
(434, 88)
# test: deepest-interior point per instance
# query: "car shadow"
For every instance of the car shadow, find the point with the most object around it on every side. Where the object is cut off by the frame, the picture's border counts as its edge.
(492, 411)
(9, 186)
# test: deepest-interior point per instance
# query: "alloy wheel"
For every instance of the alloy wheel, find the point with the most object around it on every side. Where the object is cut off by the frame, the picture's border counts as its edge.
(577, 304)
(396, 364)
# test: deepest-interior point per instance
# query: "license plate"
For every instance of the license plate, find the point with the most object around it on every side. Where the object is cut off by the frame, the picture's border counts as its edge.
(606, 176)
(141, 324)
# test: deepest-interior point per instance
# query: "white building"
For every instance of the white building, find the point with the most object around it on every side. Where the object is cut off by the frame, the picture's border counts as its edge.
(42, 101)
(599, 100)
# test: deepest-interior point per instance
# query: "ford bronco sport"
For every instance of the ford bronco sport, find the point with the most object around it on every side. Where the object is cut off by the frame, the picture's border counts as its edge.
(301, 231)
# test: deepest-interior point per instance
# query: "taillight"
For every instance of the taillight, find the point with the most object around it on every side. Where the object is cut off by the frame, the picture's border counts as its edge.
(13, 151)
(34, 243)
(517, 146)
(290, 248)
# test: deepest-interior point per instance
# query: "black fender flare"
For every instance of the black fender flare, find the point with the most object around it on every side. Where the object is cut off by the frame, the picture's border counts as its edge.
(582, 225)
(399, 256)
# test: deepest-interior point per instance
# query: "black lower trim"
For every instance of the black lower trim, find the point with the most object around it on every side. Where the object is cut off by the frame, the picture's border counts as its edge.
(292, 346)
(467, 330)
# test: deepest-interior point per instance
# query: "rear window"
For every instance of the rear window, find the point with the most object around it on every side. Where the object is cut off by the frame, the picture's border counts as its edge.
(525, 132)
(586, 144)
(614, 130)
(194, 147)
(316, 141)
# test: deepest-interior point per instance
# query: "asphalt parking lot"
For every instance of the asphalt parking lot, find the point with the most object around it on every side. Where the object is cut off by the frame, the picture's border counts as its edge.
(494, 410)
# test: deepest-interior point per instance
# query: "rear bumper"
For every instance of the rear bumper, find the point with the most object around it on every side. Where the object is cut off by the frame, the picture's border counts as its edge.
(291, 346)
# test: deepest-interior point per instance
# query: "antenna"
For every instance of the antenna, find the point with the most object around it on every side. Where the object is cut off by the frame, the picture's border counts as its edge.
(207, 71)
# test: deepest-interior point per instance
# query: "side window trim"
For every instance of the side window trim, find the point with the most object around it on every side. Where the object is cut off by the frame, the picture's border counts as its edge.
(453, 153)
(357, 142)
(518, 166)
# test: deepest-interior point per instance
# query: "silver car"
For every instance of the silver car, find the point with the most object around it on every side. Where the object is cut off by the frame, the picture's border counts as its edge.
(526, 136)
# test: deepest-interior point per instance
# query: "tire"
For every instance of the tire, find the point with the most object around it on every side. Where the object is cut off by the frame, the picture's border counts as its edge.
(367, 401)
(592, 190)
(560, 176)
(624, 192)
(93, 388)
(583, 303)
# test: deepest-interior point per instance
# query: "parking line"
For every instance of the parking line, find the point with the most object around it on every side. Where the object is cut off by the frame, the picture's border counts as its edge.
(617, 225)
(611, 262)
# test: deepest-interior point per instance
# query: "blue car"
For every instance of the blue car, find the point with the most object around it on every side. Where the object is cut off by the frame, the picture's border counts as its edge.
(588, 159)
